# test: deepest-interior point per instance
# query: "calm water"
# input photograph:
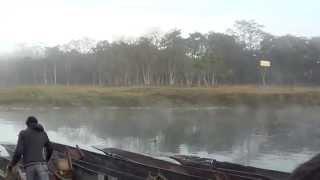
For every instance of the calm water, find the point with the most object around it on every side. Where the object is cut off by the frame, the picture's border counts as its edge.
(267, 137)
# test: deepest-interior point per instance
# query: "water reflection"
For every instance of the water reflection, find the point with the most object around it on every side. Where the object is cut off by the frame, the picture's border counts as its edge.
(265, 137)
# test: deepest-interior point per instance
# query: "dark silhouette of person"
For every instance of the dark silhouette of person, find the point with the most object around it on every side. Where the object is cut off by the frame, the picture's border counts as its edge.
(309, 170)
(32, 143)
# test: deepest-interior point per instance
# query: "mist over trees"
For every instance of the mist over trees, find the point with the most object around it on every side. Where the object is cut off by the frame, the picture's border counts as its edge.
(199, 59)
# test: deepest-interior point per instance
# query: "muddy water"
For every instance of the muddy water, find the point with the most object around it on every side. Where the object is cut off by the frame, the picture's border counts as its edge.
(274, 138)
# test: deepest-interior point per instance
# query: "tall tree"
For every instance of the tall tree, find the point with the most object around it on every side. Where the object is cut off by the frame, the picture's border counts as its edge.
(248, 33)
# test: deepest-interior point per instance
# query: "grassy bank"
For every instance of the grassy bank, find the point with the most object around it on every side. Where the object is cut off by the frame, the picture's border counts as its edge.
(163, 96)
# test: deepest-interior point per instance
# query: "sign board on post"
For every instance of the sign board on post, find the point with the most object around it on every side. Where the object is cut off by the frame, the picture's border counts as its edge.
(264, 63)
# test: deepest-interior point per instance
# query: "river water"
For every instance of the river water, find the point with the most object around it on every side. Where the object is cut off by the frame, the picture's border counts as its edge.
(273, 138)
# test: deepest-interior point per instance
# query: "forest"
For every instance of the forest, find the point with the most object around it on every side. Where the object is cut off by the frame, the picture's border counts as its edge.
(170, 59)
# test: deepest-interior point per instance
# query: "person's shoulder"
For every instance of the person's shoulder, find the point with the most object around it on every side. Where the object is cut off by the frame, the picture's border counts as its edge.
(22, 132)
(45, 134)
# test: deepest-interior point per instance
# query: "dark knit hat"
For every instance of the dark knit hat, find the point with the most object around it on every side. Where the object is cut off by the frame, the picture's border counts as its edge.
(31, 120)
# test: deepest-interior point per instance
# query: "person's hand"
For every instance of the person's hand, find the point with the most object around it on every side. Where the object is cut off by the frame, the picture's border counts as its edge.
(10, 168)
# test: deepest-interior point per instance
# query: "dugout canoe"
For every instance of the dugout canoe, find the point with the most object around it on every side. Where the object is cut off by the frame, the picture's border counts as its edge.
(117, 164)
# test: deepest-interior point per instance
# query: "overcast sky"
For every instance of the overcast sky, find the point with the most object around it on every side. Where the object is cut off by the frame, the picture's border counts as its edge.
(51, 22)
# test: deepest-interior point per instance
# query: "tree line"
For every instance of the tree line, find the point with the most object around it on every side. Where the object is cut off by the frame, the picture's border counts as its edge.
(170, 59)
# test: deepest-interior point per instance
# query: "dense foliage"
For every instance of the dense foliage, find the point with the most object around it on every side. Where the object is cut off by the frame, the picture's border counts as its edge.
(171, 59)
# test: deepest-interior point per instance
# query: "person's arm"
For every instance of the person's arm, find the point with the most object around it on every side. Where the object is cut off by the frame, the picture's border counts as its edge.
(48, 147)
(18, 151)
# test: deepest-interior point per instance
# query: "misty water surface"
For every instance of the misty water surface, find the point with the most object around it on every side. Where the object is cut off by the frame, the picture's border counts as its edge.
(274, 138)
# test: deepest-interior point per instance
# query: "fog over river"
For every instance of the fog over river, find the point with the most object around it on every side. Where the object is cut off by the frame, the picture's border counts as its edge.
(274, 138)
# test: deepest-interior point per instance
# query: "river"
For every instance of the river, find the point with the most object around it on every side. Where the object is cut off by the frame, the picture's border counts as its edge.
(273, 138)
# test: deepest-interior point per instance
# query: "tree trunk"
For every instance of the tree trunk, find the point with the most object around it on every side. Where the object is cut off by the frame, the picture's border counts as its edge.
(45, 78)
(171, 78)
(55, 73)
(213, 81)
(205, 81)
(199, 79)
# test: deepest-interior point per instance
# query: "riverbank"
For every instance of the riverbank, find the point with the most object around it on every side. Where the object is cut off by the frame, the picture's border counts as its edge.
(158, 96)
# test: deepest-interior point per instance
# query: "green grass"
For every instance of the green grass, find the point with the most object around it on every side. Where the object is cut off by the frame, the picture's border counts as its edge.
(158, 96)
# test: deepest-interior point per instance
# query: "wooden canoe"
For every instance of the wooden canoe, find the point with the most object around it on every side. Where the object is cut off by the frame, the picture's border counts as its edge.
(119, 164)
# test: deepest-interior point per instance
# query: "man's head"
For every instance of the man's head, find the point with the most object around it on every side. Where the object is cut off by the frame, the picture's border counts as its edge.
(31, 121)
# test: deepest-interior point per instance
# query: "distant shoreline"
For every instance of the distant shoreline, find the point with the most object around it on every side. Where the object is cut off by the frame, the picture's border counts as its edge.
(90, 96)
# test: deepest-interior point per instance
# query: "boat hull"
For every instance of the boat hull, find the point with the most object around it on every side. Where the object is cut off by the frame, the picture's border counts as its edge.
(117, 164)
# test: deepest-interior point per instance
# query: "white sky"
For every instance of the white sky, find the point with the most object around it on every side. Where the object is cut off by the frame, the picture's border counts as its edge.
(51, 22)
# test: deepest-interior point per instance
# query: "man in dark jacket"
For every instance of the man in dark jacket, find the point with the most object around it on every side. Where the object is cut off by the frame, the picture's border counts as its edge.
(31, 145)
